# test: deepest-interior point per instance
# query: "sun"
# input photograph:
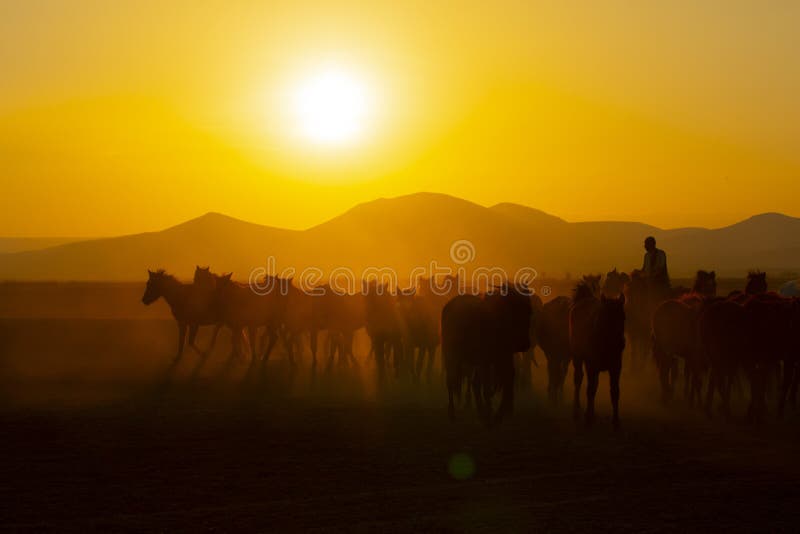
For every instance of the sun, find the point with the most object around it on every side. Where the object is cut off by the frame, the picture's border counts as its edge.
(331, 106)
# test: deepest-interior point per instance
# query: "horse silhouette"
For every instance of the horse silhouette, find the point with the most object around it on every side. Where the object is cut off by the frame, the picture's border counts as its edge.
(675, 335)
(191, 306)
(725, 340)
(341, 314)
(552, 334)
(756, 283)
(527, 360)
(638, 319)
(298, 320)
(242, 308)
(772, 321)
(385, 325)
(596, 341)
(615, 283)
(480, 336)
(422, 310)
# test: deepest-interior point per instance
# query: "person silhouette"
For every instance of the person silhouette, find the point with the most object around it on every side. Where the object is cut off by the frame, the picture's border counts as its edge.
(655, 269)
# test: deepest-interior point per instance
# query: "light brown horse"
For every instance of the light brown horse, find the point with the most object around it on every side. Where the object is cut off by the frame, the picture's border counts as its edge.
(676, 335)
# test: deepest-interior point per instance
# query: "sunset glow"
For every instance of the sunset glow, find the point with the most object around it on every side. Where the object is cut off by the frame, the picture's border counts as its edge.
(331, 107)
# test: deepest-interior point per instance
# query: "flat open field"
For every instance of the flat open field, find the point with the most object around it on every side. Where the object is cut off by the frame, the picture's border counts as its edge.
(98, 436)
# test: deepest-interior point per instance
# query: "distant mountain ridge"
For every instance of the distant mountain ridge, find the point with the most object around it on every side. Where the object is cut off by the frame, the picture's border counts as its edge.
(10, 245)
(413, 230)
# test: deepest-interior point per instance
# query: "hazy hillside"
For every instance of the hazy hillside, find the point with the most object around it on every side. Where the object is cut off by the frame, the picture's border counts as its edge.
(10, 245)
(414, 230)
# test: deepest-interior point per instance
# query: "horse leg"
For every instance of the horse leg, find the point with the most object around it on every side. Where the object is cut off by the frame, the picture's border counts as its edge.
(697, 386)
(203, 355)
(422, 352)
(273, 338)
(673, 375)
(193, 328)
(213, 342)
(663, 372)
(347, 347)
(486, 390)
(577, 380)
(330, 343)
(793, 390)
(786, 384)
(451, 386)
(507, 402)
(688, 376)
(379, 347)
(592, 380)
(477, 393)
(614, 381)
(181, 342)
(397, 351)
(288, 344)
(252, 333)
(312, 342)
(553, 370)
(712, 384)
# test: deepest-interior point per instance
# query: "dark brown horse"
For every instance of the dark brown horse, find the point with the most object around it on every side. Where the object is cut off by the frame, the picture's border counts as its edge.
(725, 340)
(480, 336)
(552, 334)
(772, 321)
(638, 319)
(528, 359)
(596, 341)
(615, 283)
(242, 307)
(191, 306)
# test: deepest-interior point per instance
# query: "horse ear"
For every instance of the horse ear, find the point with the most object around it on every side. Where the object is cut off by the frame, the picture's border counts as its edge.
(227, 276)
(151, 273)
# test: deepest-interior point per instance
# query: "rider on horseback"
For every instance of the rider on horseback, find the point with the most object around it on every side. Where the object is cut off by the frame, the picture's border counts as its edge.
(655, 269)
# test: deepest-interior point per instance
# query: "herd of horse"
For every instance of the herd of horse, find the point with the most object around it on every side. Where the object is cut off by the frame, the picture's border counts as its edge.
(487, 338)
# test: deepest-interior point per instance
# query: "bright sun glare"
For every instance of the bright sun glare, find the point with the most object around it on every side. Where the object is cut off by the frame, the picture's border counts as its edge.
(331, 106)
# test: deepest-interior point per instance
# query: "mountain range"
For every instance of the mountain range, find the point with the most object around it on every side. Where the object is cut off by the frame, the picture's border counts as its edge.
(406, 232)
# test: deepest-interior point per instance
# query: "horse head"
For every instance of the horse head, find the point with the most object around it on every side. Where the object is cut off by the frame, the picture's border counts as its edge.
(756, 283)
(705, 283)
(156, 286)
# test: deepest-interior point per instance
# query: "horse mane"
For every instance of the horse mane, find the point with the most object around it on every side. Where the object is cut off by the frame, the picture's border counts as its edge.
(585, 288)
(162, 273)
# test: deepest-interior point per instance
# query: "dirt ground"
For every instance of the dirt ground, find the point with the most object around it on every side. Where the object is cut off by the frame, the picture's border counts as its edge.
(98, 437)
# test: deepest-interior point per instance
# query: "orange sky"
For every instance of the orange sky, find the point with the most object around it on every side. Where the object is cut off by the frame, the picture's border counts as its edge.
(126, 116)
